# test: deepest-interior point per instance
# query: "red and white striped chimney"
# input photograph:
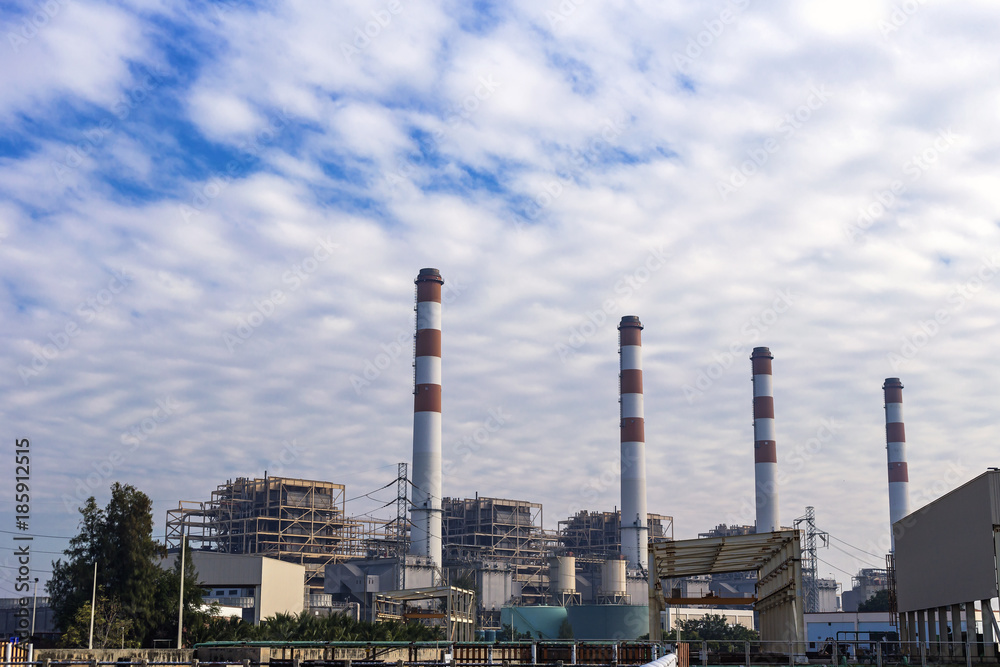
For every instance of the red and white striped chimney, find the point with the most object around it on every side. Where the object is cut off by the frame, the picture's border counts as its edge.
(634, 528)
(765, 449)
(426, 509)
(895, 447)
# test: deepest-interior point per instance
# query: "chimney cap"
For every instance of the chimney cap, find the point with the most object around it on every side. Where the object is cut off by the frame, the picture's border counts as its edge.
(761, 353)
(630, 321)
(429, 275)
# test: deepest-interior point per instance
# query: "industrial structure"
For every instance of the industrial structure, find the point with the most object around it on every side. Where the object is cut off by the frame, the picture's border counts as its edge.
(425, 534)
(895, 448)
(765, 450)
(946, 564)
(295, 520)
(427, 562)
(634, 531)
(499, 535)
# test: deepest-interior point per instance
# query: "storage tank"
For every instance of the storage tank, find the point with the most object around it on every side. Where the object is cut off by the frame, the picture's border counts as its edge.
(562, 574)
(613, 577)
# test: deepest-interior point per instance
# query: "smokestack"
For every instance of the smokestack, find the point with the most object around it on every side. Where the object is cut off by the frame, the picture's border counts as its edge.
(426, 512)
(765, 450)
(895, 447)
(634, 529)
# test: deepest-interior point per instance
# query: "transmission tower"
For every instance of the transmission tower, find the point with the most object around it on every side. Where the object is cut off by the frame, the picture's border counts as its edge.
(810, 578)
(402, 505)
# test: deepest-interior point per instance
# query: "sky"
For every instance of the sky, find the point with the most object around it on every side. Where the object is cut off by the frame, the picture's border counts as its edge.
(212, 214)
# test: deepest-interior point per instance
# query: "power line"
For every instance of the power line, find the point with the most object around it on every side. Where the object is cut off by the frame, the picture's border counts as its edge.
(55, 537)
(854, 556)
(850, 574)
(859, 548)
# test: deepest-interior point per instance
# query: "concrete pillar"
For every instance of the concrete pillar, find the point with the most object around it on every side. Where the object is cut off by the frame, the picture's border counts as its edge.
(970, 625)
(956, 629)
(922, 627)
(945, 647)
(911, 631)
(987, 609)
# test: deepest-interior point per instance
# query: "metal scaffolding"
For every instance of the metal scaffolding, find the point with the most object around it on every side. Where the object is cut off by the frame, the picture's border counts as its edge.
(296, 520)
(596, 536)
(496, 529)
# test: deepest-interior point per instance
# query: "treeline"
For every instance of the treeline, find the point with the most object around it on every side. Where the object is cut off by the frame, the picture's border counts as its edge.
(306, 626)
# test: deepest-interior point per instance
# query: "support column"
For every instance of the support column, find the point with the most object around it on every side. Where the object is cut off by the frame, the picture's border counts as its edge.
(970, 626)
(911, 631)
(943, 645)
(922, 628)
(987, 609)
(956, 630)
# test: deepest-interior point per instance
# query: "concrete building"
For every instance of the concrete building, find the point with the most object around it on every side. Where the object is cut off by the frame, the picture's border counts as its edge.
(260, 585)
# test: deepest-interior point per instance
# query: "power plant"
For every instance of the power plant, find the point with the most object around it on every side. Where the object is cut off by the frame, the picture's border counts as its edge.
(597, 564)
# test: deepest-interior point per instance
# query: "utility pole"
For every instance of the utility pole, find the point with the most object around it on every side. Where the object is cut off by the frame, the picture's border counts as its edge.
(180, 603)
(93, 601)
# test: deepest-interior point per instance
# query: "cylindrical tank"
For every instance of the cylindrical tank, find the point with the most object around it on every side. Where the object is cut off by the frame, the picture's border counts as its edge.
(563, 580)
(490, 636)
(613, 577)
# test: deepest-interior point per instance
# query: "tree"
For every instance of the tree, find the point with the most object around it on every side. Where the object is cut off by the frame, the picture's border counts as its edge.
(119, 538)
(879, 601)
(713, 627)
(112, 629)
(565, 629)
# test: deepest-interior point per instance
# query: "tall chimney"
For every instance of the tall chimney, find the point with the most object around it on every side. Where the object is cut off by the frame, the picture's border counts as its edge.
(426, 508)
(634, 528)
(765, 450)
(895, 447)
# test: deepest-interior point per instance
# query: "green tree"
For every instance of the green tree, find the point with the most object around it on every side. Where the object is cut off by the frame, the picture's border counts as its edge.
(713, 627)
(565, 629)
(112, 629)
(879, 601)
(119, 538)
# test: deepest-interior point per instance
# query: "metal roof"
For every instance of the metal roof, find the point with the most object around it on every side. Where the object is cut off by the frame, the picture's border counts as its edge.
(717, 555)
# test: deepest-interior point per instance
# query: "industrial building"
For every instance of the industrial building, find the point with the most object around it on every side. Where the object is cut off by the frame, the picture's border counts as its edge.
(294, 520)
(259, 585)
